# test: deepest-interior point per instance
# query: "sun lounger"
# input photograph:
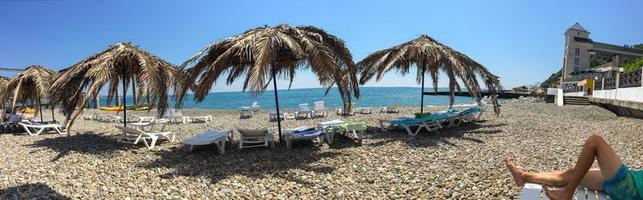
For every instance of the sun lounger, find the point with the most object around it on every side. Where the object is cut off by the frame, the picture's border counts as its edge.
(364, 110)
(341, 111)
(245, 112)
(320, 109)
(37, 129)
(255, 106)
(329, 127)
(430, 123)
(140, 135)
(304, 112)
(176, 116)
(302, 133)
(256, 138)
(390, 109)
(273, 116)
(354, 130)
(534, 191)
(201, 119)
(216, 137)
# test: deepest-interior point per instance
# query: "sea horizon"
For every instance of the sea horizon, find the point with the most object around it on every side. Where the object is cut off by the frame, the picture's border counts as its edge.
(291, 98)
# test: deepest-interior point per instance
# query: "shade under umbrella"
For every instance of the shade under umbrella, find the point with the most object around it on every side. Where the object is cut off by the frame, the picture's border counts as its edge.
(263, 54)
(121, 64)
(431, 57)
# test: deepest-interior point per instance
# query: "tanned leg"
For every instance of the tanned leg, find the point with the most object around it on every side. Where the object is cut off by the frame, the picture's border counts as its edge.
(595, 147)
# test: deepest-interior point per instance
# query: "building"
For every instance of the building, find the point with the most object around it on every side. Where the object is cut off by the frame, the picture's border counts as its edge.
(579, 48)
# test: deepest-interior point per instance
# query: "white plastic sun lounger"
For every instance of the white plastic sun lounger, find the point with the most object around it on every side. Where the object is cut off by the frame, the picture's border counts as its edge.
(256, 138)
(37, 129)
(201, 119)
(320, 109)
(304, 112)
(145, 136)
(245, 112)
(533, 191)
(216, 137)
(255, 106)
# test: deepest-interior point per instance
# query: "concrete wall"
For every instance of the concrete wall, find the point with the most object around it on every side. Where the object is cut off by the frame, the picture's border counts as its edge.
(626, 94)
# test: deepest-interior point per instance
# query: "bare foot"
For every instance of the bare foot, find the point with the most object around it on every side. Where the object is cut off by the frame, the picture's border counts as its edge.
(516, 172)
(564, 193)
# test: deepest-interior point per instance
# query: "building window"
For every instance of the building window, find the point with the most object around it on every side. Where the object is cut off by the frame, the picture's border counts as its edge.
(575, 69)
(577, 53)
(576, 61)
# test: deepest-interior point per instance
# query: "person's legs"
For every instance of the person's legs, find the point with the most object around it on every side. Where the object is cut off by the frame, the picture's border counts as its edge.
(593, 180)
(595, 147)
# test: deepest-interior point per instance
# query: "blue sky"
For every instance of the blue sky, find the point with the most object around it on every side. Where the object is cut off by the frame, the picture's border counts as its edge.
(522, 42)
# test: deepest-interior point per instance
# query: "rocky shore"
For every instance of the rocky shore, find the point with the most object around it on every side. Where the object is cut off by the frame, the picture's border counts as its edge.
(458, 163)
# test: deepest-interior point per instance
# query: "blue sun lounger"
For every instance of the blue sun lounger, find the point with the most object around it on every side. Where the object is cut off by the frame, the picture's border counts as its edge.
(430, 122)
(303, 133)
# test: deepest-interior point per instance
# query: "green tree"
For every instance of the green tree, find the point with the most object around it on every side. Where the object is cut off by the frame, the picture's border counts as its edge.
(552, 81)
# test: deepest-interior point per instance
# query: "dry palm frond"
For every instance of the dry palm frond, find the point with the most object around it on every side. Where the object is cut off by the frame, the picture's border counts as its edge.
(283, 50)
(80, 83)
(431, 57)
(32, 84)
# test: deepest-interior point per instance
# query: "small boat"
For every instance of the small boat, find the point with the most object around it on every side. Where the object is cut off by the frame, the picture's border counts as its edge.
(140, 107)
(111, 108)
(27, 110)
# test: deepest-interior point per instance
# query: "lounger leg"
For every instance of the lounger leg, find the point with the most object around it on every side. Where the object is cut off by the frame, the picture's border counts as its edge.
(140, 136)
(220, 146)
(153, 142)
(408, 130)
(190, 148)
(40, 130)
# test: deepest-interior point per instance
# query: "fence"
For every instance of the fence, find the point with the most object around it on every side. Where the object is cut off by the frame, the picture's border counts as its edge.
(630, 79)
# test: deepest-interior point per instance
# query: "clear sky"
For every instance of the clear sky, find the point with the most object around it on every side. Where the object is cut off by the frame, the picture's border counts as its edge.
(522, 42)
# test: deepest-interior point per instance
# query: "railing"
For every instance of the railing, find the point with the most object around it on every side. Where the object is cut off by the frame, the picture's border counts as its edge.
(610, 82)
(570, 87)
(630, 79)
(598, 84)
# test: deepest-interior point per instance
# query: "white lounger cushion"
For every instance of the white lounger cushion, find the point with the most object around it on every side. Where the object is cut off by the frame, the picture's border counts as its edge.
(534, 192)
(217, 137)
(208, 137)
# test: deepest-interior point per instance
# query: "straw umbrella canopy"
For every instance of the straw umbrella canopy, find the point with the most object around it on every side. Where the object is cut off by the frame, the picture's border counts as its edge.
(3, 94)
(431, 57)
(31, 85)
(262, 54)
(122, 64)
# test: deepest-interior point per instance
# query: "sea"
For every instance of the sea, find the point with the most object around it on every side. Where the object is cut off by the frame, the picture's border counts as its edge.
(291, 98)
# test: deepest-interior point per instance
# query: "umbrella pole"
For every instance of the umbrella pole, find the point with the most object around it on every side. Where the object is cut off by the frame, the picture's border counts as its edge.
(274, 84)
(53, 115)
(40, 110)
(422, 96)
(124, 102)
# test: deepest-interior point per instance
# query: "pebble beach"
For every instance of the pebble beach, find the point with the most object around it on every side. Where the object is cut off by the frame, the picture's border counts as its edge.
(464, 162)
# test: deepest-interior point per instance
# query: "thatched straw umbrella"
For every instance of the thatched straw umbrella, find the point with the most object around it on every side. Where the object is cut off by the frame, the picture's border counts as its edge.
(431, 57)
(260, 55)
(3, 95)
(32, 84)
(121, 63)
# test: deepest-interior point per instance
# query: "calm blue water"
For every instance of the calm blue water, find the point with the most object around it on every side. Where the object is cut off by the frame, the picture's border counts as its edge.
(371, 96)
